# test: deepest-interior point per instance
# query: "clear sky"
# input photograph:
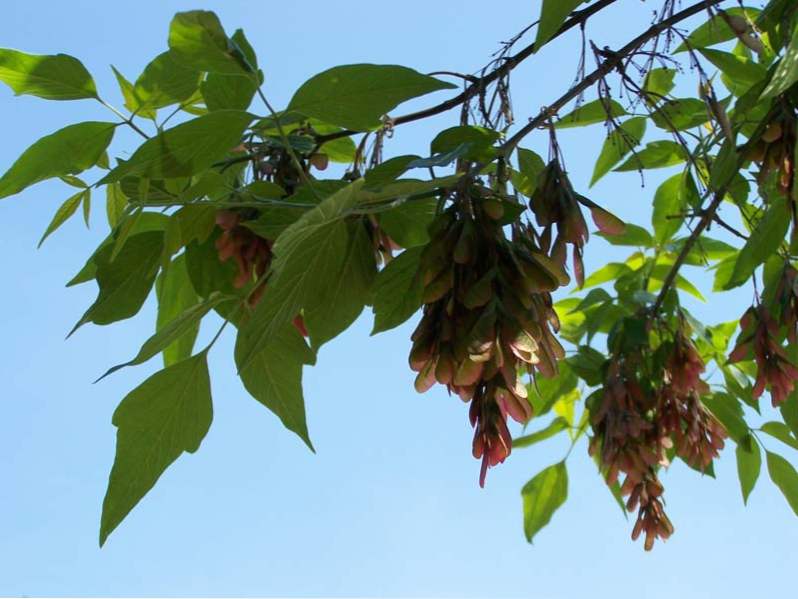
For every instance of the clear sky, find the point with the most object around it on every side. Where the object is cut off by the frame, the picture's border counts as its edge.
(390, 504)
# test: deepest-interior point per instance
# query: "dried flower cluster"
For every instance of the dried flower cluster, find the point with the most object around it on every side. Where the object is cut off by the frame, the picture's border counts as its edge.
(487, 319)
(760, 336)
(639, 424)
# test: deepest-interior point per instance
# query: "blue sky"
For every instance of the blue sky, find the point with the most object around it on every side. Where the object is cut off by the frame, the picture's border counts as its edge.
(390, 504)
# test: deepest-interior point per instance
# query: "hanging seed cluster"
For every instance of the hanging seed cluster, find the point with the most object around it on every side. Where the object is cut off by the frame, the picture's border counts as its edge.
(775, 150)
(487, 319)
(639, 426)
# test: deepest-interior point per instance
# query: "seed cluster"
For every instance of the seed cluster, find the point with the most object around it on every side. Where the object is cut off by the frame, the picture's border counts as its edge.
(487, 319)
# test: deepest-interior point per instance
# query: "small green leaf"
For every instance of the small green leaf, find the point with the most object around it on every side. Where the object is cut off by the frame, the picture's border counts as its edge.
(479, 142)
(63, 213)
(228, 91)
(167, 414)
(557, 425)
(631, 236)
(780, 431)
(542, 496)
(68, 151)
(659, 83)
(729, 413)
(716, 30)
(657, 154)
(164, 82)
(617, 145)
(407, 224)
(741, 73)
(749, 463)
(274, 378)
(786, 73)
(597, 111)
(397, 291)
(680, 114)
(356, 96)
(553, 14)
(186, 149)
(669, 208)
(57, 77)
(126, 281)
(175, 295)
(115, 203)
(785, 478)
(609, 272)
(198, 41)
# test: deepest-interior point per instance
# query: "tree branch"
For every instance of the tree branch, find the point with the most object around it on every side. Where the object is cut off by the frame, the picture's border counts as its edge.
(578, 18)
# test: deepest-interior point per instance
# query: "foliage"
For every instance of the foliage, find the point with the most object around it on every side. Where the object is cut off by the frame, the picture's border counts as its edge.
(226, 211)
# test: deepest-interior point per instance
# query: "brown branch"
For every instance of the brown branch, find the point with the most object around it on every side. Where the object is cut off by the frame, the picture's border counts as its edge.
(611, 63)
(578, 18)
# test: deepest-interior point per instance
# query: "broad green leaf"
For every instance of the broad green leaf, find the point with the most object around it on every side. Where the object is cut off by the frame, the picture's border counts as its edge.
(680, 114)
(167, 414)
(397, 291)
(659, 83)
(530, 165)
(553, 14)
(597, 111)
(741, 73)
(164, 82)
(607, 273)
(669, 208)
(544, 392)
(198, 41)
(542, 496)
(126, 281)
(274, 378)
(657, 154)
(186, 323)
(407, 223)
(764, 241)
(631, 236)
(785, 477)
(716, 30)
(115, 203)
(749, 463)
(222, 92)
(356, 96)
(389, 170)
(305, 256)
(56, 77)
(556, 426)
(729, 413)
(68, 151)
(786, 73)
(186, 149)
(780, 431)
(176, 295)
(617, 145)
(342, 294)
(63, 213)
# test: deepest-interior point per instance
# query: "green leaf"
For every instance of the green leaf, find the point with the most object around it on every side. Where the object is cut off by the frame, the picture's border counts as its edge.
(530, 165)
(680, 114)
(657, 154)
(167, 414)
(175, 295)
(356, 96)
(274, 378)
(669, 207)
(659, 83)
(57, 77)
(342, 294)
(617, 145)
(587, 363)
(198, 41)
(68, 151)
(186, 149)
(305, 257)
(553, 14)
(186, 323)
(126, 281)
(764, 241)
(729, 413)
(609, 272)
(556, 426)
(597, 111)
(131, 101)
(397, 291)
(742, 73)
(786, 73)
(63, 213)
(228, 91)
(164, 82)
(631, 236)
(789, 412)
(478, 139)
(545, 392)
(715, 30)
(749, 463)
(780, 431)
(115, 203)
(542, 496)
(407, 224)
(785, 478)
